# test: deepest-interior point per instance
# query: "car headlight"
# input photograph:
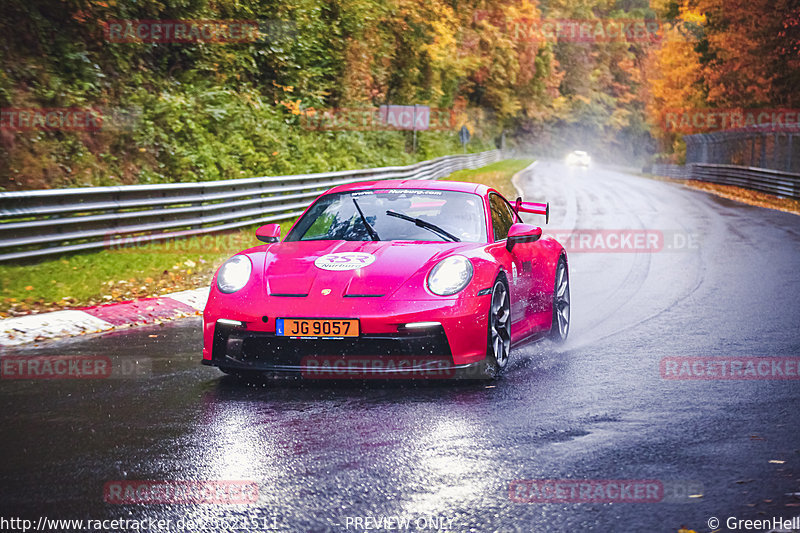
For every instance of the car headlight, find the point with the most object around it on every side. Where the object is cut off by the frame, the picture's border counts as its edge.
(234, 273)
(450, 275)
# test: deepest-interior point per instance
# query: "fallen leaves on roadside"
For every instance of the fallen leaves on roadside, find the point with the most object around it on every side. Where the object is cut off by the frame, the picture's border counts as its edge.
(747, 196)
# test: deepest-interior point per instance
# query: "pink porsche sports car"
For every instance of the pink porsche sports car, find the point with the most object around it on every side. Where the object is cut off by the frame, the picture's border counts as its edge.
(390, 278)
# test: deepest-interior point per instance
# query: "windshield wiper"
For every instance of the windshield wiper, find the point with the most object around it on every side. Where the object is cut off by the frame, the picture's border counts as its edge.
(370, 229)
(426, 225)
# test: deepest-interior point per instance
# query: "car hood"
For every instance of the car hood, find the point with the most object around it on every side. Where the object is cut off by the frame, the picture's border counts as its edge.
(348, 268)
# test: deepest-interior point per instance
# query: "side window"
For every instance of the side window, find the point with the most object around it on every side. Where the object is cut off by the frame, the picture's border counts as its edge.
(502, 216)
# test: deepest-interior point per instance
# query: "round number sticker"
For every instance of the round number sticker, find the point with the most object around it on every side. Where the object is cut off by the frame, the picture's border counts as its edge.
(344, 261)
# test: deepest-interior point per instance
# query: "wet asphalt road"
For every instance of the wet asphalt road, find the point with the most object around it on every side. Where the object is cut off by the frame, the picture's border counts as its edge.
(596, 408)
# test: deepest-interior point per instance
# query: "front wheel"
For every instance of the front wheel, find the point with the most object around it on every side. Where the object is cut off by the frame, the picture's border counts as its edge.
(499, 342)
(559, 328)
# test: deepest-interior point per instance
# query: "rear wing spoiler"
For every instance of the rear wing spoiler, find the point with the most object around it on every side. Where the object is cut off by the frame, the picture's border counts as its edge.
(533, 207)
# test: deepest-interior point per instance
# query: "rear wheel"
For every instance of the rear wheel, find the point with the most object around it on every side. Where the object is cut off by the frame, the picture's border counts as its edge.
(499, 342)
(559, 329)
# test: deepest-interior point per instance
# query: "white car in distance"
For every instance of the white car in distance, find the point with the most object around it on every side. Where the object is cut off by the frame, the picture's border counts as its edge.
(578, 158)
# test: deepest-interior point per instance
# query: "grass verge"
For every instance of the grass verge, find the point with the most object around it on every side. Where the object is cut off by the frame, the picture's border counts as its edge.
(115, 275)
(497, 175)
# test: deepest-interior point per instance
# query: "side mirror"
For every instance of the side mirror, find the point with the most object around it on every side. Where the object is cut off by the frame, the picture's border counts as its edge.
(521, 233)
(269, 233)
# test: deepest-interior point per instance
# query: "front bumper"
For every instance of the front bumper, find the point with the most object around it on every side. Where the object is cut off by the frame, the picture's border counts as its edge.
(460, 338)
(415, 355)
(424, 354)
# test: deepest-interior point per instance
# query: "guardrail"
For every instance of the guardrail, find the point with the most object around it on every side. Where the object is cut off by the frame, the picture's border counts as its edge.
(777, 182)
(670, 171)
(49, 222)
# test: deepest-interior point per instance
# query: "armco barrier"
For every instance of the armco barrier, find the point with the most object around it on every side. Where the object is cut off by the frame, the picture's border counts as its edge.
(670, 171)
(765, 180)
(49, 222)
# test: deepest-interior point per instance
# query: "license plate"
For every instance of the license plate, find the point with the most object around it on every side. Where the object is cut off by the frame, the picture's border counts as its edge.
(316, 327)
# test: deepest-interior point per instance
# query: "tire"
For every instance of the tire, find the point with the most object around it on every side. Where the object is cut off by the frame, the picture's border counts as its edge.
(498, 344)
(559, 327)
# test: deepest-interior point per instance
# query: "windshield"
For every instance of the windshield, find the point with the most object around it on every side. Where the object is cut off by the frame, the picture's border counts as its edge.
(427, 216)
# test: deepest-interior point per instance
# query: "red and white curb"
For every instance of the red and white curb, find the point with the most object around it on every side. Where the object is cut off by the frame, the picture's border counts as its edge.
(33, 328)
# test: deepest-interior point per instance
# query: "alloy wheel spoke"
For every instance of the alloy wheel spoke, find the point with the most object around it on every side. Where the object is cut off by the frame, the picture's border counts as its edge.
(562, 285)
